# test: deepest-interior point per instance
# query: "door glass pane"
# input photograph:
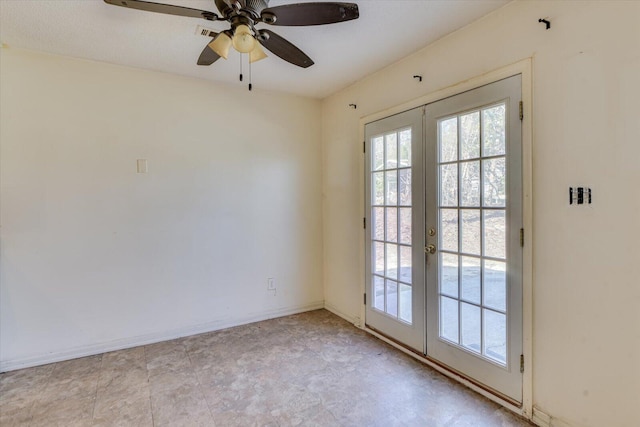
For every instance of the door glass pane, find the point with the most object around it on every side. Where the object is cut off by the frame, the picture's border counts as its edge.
(378, 223)
(405, 186)
(470, 283)
(470, 184)
(378, 258)
(405, 303)
(392, 297)
(470, 136)
(405, 225)
(405, 264)
(470, 224)
(449, 274)
(392, 150)
(495, 284)
(449, 185)
(449, 230)
(493, 131)
(378, 153)
(495, 336)
(471, 326)
(495, 233)
(378, 292)
(391, 188)
(392, 224)
(392, 261)
(377, 188)
(449, 319)
(448, 140)
(493, 182)
(405, 148)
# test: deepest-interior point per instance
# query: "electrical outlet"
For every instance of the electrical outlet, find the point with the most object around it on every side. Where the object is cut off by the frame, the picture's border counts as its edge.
(271, 284)
(141, 166)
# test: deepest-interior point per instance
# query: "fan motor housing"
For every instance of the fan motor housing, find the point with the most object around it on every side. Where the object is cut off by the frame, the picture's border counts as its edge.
(256, 6)
(253, 8)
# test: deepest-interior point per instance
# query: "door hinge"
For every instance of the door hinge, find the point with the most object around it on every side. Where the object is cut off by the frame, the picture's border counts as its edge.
(522, 363)
(364, 223)
(522, 237)
(365, 298)
(521, 110)
(364, 146)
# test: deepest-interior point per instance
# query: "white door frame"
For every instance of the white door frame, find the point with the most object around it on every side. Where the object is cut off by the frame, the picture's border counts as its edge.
(524, 68)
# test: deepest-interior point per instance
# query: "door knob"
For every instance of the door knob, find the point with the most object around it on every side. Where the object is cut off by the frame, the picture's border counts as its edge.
(430, 249)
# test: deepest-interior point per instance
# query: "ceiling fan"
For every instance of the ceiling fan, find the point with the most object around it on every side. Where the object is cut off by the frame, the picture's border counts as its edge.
(244, 15)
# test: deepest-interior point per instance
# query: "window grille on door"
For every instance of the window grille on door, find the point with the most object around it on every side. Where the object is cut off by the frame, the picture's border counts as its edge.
(391, 224)
(473, 233)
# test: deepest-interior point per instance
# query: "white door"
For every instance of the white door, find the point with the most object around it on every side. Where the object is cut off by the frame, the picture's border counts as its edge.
(473, 223)
(394, 293)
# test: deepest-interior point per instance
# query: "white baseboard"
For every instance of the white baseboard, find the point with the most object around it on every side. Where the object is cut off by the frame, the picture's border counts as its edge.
(540, 418)
(90, 350)
(354, 320)
(545, 420)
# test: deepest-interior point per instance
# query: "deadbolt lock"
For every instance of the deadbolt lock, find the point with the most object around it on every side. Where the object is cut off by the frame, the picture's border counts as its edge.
(430, 249)
(432, 232)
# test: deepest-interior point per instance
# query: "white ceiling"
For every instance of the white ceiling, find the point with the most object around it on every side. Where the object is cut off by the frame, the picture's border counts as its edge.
(386, 31)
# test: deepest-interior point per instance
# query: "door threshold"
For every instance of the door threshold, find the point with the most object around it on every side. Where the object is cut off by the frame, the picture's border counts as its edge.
(491, 394)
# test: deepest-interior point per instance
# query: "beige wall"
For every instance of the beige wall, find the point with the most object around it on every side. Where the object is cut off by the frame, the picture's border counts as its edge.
(95, 256)
(586, 132)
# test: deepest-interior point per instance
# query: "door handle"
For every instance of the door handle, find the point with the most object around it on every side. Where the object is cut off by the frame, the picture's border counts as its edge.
(430, 249)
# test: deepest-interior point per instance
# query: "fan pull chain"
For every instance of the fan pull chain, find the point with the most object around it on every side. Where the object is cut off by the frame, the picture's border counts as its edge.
(250, 85)
(240, 67)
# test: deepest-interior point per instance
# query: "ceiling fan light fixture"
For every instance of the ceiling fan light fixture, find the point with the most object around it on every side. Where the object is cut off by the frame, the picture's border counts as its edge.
(257, 54)
(221, 45)
(243, 40)
(243, 15)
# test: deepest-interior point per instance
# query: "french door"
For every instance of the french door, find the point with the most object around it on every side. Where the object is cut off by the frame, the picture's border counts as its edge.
(458, 263)
(395, 198)
(473, 222)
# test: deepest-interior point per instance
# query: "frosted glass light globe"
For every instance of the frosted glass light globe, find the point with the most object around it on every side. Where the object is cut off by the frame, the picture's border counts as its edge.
(243, 40)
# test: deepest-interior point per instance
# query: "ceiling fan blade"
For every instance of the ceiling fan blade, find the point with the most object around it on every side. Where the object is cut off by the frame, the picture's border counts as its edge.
(300, 14)
(208, 56)
(284, 49)
(164, 8)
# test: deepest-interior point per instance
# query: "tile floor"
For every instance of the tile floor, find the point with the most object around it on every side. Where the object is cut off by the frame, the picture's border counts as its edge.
(310, 369)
